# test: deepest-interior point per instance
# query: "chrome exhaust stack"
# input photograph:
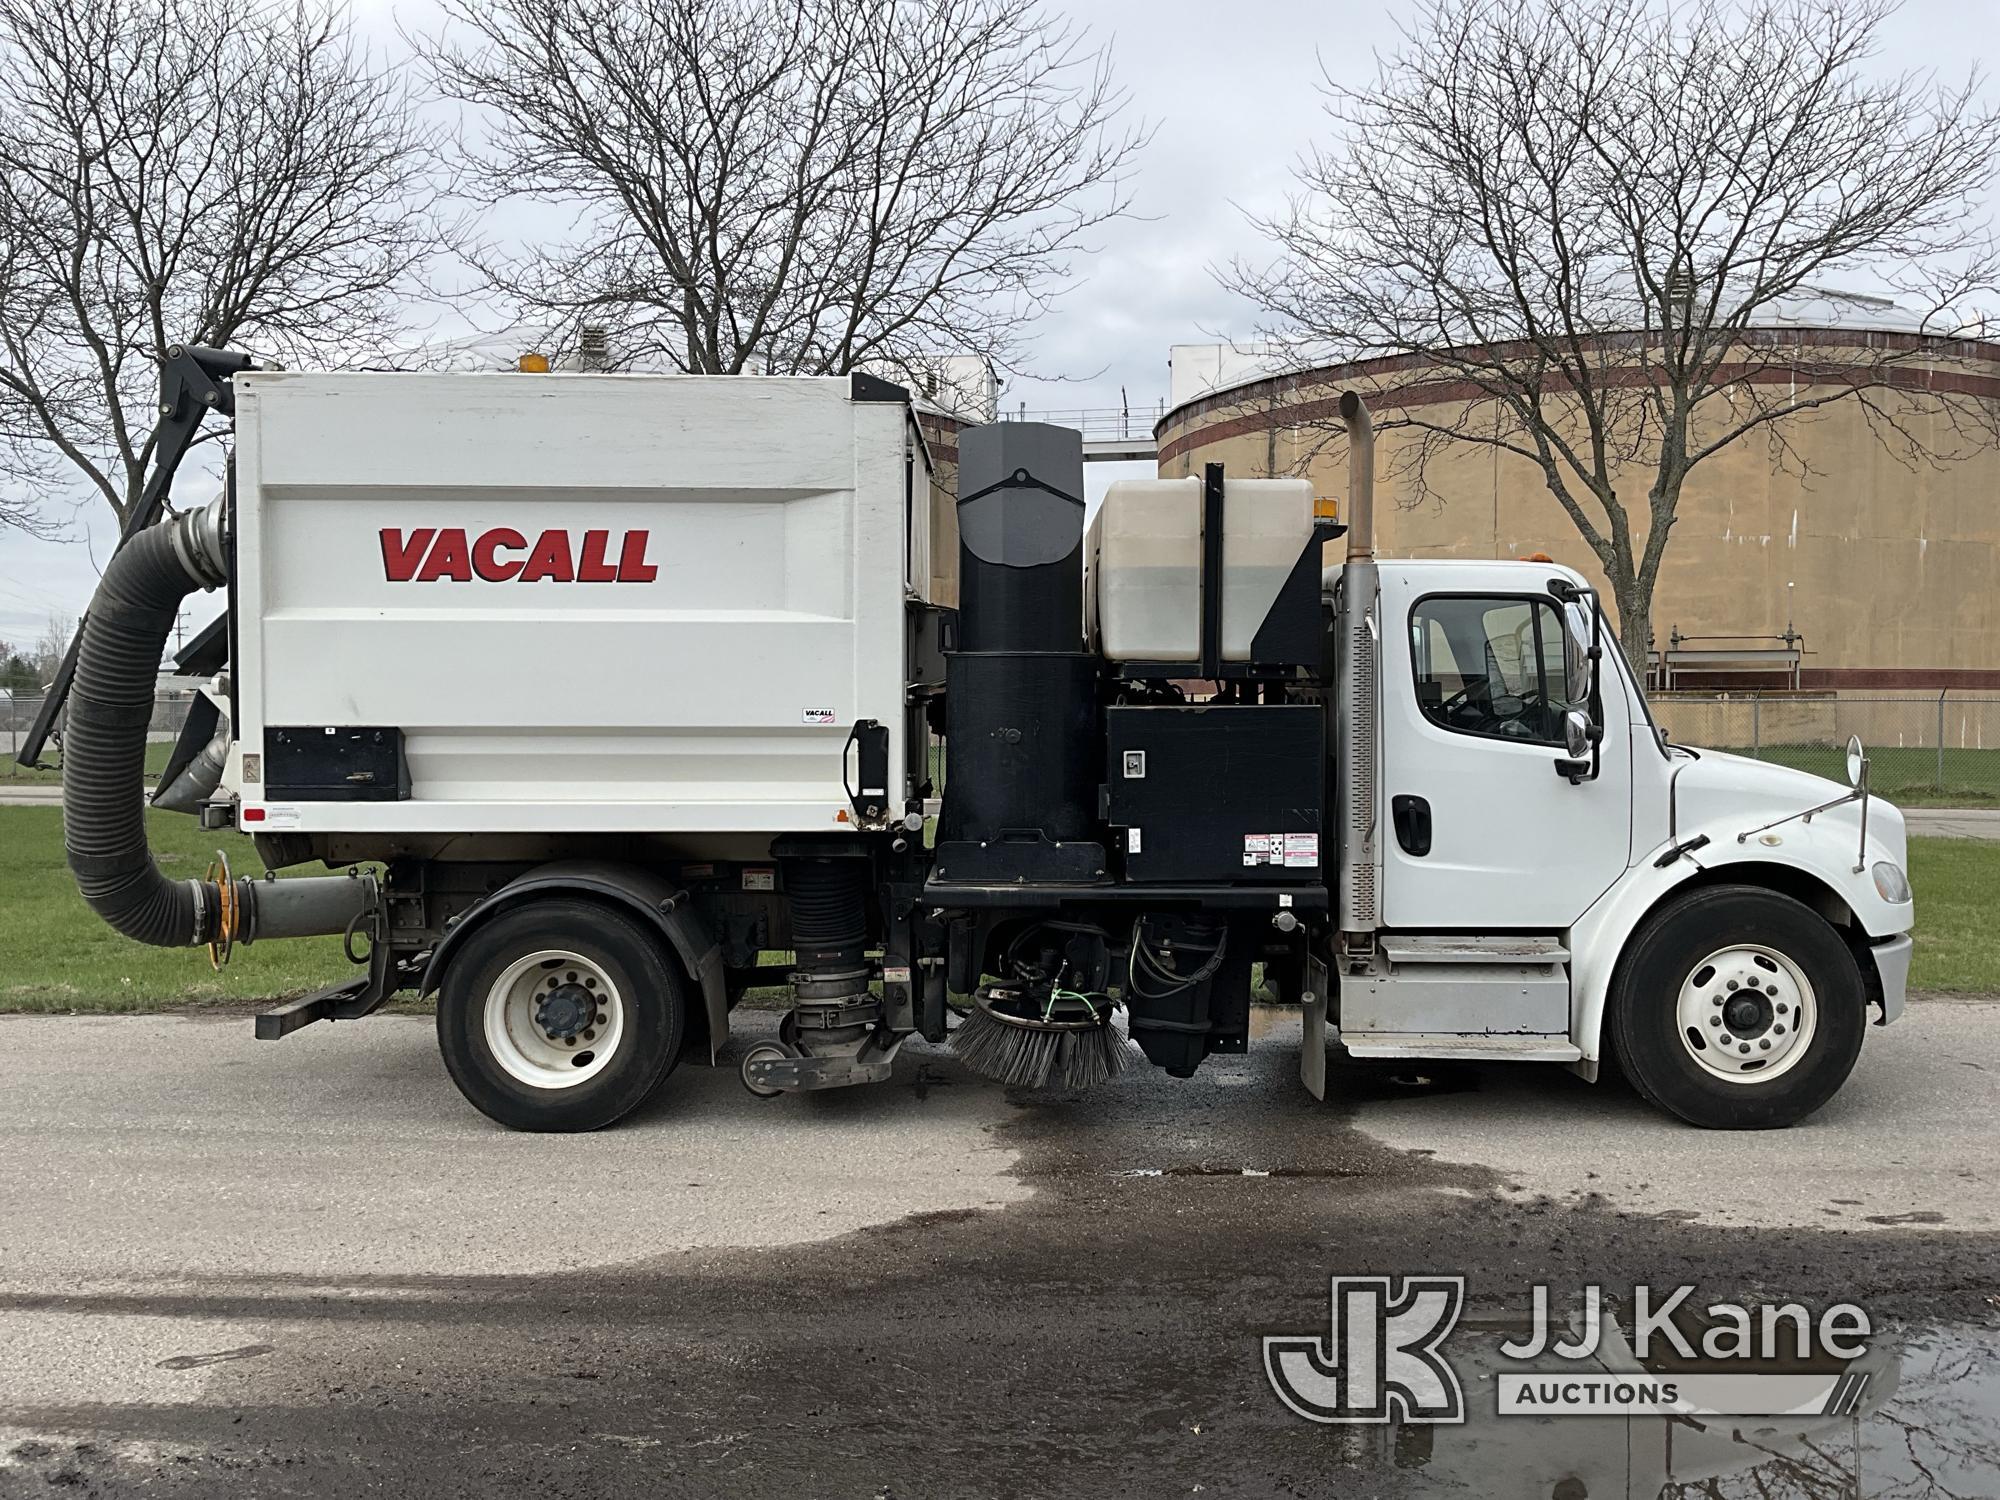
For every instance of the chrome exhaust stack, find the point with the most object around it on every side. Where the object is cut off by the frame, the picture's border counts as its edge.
(1357, 730)
(1360, 477)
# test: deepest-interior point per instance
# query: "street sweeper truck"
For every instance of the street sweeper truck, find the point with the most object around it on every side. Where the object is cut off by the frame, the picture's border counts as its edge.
(606, 698)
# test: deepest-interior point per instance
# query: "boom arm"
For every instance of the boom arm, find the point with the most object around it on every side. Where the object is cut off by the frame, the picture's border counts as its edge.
(193, 383)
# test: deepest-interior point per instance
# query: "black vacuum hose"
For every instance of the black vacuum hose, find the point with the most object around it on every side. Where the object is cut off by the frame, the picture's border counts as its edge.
(104, 764)
(104, 740)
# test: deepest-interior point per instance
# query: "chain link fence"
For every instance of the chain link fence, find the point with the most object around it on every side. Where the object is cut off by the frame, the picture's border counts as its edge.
(1942, 748)
(18, 712)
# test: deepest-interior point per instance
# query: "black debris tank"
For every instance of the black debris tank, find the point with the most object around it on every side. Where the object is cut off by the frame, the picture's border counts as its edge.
(1021, 692)
(1020, 538)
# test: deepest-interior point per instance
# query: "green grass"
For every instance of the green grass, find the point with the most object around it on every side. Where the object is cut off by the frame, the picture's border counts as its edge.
(1909, 778)
(12, 773)
(56, 954)
(1957, 885)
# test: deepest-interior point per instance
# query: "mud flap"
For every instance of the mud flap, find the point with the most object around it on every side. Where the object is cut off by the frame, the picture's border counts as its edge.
(1312, 1049)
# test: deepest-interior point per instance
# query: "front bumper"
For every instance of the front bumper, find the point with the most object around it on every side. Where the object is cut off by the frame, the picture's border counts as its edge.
(1892, 968)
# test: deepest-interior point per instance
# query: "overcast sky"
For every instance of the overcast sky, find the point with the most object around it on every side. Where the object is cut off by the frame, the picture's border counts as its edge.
(1231, 91)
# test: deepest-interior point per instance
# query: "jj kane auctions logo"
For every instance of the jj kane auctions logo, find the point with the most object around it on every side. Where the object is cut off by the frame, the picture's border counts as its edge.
(430, 554)
(1382, 1357)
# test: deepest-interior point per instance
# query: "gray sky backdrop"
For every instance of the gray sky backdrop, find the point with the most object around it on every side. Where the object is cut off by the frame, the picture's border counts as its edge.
(1231, 91)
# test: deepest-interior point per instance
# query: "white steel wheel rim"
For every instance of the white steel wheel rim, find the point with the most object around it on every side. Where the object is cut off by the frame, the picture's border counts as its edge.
(532, 1019)
(1747, 1014)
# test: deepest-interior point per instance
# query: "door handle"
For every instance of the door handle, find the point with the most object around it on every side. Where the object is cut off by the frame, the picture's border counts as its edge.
(1572, 771)
(1412, 816)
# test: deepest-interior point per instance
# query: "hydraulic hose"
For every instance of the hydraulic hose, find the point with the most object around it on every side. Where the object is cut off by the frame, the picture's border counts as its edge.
(104, 762)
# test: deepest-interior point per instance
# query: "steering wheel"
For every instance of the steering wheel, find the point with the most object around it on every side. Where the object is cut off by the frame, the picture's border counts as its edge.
(1464, 707)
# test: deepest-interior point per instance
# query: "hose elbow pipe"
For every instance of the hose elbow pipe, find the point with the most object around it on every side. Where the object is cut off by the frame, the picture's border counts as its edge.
(104, 760)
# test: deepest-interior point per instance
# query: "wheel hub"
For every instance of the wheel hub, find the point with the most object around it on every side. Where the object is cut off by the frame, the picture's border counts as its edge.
(565, 1011)
(554, 1018)
(1747, 1013)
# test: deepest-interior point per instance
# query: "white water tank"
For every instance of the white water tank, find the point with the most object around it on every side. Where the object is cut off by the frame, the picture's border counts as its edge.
(1146, 562)
(1266, 524)
(1148, 591)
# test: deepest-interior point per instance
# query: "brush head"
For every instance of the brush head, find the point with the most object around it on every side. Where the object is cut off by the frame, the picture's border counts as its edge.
(1030, 1052)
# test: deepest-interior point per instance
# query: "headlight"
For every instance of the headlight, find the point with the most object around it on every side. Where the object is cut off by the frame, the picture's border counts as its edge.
(1891, 883)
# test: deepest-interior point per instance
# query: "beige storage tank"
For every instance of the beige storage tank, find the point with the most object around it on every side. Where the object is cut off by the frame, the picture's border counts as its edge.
(1149, 570)
(1266, 524)
(1146, 563)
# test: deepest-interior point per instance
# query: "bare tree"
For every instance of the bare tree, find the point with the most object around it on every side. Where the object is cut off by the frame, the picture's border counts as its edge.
(1586, 223)
(53, 645)
(792, 186)
(186, 171)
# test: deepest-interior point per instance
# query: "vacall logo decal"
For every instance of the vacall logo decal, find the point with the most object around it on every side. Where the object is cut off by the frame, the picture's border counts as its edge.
(1381, 1359)
(1384, 1360)
(430, 554)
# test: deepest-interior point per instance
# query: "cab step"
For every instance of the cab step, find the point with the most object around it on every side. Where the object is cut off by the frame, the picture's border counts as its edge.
(1504, 948)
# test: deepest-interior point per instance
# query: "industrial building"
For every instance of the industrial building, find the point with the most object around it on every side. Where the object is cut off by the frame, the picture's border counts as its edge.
(1887, 576)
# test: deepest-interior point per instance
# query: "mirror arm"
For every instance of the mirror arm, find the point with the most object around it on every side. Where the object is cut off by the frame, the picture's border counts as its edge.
(1861, 791)
(1596, 686)
(1858, 794)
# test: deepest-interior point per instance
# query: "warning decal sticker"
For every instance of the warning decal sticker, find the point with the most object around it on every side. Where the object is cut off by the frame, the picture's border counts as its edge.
(1292, 851)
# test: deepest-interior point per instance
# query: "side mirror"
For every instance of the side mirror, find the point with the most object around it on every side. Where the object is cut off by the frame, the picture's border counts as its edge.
(1857, 761)
(1577, 734)
(1580, 738)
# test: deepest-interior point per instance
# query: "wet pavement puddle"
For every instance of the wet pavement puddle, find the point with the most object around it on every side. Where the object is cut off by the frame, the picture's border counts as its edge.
(1926, 1426)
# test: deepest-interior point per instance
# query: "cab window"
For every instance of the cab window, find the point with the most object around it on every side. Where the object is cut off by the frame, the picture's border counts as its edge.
(1492, 666)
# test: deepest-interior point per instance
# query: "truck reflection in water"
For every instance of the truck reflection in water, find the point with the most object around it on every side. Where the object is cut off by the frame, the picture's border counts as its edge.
(1928, 1429)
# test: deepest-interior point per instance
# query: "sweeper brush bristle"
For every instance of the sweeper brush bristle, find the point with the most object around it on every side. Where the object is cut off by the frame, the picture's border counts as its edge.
(1032, 1056)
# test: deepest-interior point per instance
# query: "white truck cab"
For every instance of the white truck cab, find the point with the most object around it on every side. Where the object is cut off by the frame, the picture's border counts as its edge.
(1530, 871)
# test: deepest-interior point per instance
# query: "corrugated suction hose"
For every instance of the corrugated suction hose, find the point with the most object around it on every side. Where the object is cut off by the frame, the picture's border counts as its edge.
(104, 762)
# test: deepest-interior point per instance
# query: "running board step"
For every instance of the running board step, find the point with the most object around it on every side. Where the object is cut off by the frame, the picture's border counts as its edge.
(1463, 1048)
(1403, 948)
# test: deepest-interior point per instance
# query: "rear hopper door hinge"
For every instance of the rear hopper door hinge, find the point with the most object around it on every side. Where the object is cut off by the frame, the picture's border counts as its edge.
(867, 753)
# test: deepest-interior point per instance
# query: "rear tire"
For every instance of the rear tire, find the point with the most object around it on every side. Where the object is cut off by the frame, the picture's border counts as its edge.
(560, 1015)
(1737, 1008)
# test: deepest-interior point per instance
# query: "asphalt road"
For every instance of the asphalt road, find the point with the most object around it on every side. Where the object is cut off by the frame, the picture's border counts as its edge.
(308, 1269)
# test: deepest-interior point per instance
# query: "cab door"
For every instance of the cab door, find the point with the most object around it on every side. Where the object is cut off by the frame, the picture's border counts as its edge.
(1481, 829)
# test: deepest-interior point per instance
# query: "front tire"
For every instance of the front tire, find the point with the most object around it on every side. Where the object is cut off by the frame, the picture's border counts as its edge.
(560, 1015)
(1737, 1008)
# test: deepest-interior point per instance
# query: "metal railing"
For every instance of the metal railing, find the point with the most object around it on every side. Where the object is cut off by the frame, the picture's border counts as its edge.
(1941, 746)
(1096, 423)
